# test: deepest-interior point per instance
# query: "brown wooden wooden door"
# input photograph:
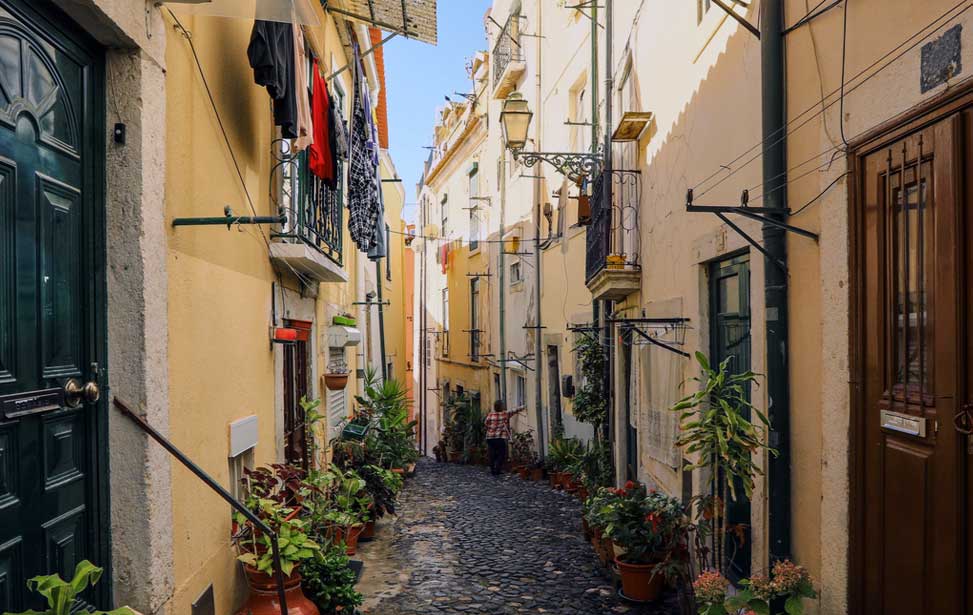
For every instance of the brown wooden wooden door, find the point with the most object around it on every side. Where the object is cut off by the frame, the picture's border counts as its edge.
(912, 542)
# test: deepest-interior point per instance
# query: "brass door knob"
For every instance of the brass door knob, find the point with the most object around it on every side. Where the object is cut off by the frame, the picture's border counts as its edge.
(75, 393)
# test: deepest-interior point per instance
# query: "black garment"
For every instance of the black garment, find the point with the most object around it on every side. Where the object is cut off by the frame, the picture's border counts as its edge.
(497, 451)
(271, 54)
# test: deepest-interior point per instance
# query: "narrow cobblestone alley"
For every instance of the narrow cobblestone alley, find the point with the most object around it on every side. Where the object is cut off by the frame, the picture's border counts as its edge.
(467, 543)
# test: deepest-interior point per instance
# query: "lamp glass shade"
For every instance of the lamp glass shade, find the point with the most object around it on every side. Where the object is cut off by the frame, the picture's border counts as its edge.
(515, 118)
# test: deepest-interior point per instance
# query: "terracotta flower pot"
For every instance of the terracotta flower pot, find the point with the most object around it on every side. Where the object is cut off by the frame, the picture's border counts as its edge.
(264, 598)
(368, 532)
(537, 473)
(455, 456)
(399, 471)
(348, 536)
(523, 472)
(335, 382)
(638, 581)
(410, 469)
(582, 493)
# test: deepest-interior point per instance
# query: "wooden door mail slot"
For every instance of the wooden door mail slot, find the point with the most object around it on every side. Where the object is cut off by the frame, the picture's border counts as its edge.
(904, 423)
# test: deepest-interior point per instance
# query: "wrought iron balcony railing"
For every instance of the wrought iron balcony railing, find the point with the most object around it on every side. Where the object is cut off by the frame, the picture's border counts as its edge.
(507, 47)
(613, 236)
(315, 211)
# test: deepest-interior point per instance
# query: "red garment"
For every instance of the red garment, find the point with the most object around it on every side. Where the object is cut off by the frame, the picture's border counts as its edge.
(498, 425)
(320, 156)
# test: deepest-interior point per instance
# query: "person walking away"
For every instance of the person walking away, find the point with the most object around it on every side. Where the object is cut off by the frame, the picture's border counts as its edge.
(497, 433)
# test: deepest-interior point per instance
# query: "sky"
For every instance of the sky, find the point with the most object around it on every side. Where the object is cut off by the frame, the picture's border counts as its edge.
(419, 75)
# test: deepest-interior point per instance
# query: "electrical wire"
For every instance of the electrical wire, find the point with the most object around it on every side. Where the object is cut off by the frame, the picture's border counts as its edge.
(844, 51)
(833, 183)
(934, 24)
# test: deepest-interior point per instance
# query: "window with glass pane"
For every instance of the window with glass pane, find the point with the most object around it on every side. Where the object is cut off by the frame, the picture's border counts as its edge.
(475, 319)
(912, 240)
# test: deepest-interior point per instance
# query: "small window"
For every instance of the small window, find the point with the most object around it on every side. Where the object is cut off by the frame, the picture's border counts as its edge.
(443, 217)
(474, 229)
(520, 392)
(516, 274)
(445, 322)
(475, 319)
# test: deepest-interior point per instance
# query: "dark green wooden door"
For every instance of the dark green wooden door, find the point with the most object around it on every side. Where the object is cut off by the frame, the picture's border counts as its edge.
(51, 273)
(730, 337)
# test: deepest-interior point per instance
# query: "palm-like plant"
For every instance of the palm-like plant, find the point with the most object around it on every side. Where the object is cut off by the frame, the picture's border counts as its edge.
(61, 595)
(716, 430)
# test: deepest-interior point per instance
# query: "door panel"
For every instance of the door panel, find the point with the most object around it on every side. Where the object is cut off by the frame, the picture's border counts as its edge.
(50, 212)
(730, 339)
(912, 546)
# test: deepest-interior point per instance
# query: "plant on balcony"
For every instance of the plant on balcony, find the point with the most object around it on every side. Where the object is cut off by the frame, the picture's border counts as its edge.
(62, 595)
(591, 400)
(716, 431)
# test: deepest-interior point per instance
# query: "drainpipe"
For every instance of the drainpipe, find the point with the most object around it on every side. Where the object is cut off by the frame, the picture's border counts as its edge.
(538, 332)
(773, 90)
(594, 78)
(424, 434)
(502, 274)
(381, 317)
(610, 424)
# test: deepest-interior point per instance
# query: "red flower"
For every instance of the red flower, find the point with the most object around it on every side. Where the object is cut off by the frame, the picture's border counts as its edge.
(629, 485)
(619, 492)
(653, 518)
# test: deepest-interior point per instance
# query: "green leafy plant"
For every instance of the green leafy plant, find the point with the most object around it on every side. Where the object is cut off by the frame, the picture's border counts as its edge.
(277, 495)
(346, 502)
(651, 526)
(591, 400)
(563, 453)
(595, 466)
(523, 452)
(61, 595)
(329, 582)
(716, 431)
(465, 429)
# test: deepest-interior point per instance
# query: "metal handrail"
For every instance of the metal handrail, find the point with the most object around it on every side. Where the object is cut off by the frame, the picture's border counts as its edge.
(215, 486)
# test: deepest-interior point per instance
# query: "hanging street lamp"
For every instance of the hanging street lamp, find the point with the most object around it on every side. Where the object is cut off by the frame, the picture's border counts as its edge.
(515, 120)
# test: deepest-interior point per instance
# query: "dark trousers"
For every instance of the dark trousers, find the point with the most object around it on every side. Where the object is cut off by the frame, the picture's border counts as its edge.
(497, 449)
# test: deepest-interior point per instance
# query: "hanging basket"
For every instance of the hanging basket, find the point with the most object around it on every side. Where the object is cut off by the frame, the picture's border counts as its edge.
(335, 382)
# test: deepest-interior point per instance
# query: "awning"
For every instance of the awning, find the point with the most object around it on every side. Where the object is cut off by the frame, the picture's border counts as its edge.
(414, 19)
(287, 11)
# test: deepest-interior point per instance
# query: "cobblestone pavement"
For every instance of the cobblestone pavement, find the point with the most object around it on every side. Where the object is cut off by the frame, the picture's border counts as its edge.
(466, 543)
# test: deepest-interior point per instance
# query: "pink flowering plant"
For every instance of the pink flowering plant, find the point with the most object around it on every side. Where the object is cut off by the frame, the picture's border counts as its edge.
(710, 591)
(788, 582)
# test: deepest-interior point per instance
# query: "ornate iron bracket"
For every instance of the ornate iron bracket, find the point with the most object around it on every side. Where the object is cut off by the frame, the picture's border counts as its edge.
(575, 167)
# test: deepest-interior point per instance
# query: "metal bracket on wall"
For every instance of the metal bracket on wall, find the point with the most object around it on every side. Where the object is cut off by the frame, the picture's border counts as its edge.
(677, 325)
(743, 22)
(230, 220)
(766, 215)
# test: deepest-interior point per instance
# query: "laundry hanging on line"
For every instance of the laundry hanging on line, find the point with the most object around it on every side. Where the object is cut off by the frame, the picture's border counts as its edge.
(271, 54)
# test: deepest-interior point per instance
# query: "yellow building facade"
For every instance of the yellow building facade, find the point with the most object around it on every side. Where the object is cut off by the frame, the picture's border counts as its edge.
(229, 288)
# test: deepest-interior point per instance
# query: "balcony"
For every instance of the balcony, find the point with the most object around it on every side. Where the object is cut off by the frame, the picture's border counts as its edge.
(612, 267)
(508, 62)
(311, 241)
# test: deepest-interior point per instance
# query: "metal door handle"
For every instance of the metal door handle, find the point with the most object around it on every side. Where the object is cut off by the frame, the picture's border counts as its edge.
(75, 393)
(963, 419)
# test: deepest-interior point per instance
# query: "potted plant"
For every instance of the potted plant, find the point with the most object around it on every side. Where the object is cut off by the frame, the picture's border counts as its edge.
(652, 529)
(345, 509)
(336, 376)
(562, 454)
(716, 429)
(62, 595)
(615, 261)
(522, 452)
(788, 583)
(591, 399)
(329, 582)
(256, 554)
